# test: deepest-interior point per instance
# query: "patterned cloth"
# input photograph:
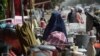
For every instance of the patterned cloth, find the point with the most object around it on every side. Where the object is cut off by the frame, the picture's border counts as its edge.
(26, 36)
(11, 53)
(57, 39)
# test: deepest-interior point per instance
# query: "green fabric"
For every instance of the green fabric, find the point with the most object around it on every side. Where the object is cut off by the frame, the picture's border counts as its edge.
(2, 15)
(3, 5)
(26, 37)
(35, 23)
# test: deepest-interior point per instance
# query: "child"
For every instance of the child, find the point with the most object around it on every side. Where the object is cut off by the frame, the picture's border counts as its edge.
(42, 23)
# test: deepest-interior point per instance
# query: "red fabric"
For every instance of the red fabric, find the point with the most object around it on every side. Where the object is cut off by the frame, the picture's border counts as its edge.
(55, 53)
(13, 42)
(17, 7)
(97, 45)
(17, 4)
(11, 53)
(58, 39)
(47, 53)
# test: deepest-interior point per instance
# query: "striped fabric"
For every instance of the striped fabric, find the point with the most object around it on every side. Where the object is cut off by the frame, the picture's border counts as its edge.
(11, 53)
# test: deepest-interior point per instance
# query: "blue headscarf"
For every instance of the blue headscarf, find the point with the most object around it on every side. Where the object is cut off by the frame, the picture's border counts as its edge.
(56, 23)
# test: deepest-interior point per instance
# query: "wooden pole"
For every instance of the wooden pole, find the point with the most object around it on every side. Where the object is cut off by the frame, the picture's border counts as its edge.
(22, 11)
(12, 9)
(30, 13)
(33, 4)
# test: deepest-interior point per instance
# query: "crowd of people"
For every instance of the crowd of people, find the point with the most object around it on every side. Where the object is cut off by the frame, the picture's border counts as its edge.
(52, 32)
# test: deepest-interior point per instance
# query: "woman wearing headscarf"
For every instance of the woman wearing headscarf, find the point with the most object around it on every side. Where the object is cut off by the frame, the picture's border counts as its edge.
(56, 23)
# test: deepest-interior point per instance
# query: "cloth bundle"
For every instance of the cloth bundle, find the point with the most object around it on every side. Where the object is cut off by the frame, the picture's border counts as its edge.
(57, 39)
(26, 36)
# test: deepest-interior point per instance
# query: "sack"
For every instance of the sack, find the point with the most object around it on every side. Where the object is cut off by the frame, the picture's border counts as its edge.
(57, 39)
(75, 28)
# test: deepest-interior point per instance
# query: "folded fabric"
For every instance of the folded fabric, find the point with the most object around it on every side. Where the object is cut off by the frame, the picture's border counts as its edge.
(26, 36)
(57, 39)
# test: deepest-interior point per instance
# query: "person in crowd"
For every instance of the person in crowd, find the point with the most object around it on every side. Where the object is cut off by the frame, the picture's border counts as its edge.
(71, 16)
(64, 14)
(57, 9)
(91, 51)
(79, 16)
(42, 11)
(37, 14)
(42, 23)
(54, 23)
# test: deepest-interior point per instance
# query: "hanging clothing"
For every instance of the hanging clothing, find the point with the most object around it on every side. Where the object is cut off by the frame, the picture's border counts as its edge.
(17, 4)
(72, 17)
(35, 23)
(2, 12)
(56, 23)
(26, 37)
(37, 14)
(89, 22)
(3, 6)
